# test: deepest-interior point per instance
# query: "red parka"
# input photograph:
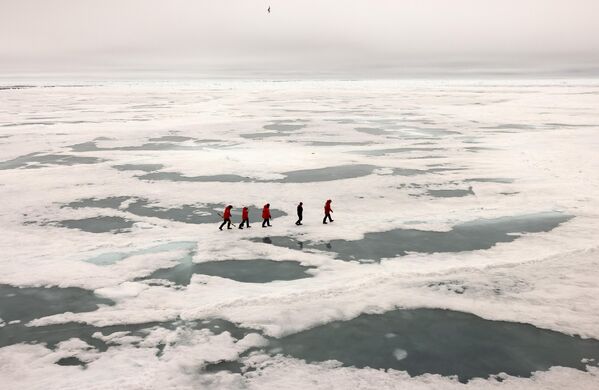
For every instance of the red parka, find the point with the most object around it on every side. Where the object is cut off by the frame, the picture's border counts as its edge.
(327, 207)
(244, 213)
(266, 212)
(227, 213)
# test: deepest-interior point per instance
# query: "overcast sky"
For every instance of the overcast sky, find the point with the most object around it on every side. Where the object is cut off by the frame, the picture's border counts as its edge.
(345, 37)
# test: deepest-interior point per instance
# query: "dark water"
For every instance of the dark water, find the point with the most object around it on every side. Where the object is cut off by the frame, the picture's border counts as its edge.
(384, 152)
(284, 126)
(342, 121)
(51, 335)
(70, 361)
(192, 213)
(300, 176)
(371, 130)
(338, 143)
(440, 342)
(101, 224)
(161, 143)
(264, 135)
(279, 128)
(327, 173)
(509, 126)
(92, 147)
(45, 123)
(434, 132)
(338, 172)
(411, 172)
(430, 156)
(172, 138)
(139, 167)
(176, 176)
(469, 236)
(418, 341)
(112, 202)
(478, 148)
(8, 87)
(433, 170)
(445, 169)
(247, 271)
(28, 303)
(450, 193)
(185, 213)
(37, 160)
(502, 180)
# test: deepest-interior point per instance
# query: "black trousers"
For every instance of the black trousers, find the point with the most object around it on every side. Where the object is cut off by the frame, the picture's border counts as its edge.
(246, 221)
(327, 215)
(299, 219)
(228, 220)
(266, 222)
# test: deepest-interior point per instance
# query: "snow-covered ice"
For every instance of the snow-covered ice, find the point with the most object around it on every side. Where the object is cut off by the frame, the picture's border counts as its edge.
(488, 191)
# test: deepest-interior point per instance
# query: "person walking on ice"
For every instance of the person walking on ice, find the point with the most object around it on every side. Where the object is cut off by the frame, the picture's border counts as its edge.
(300, 213)
(327, 212)
(245, 218)
(266, 215)
(226, 217)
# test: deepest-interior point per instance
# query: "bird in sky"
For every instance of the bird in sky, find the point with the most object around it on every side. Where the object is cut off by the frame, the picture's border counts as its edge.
(268, 9)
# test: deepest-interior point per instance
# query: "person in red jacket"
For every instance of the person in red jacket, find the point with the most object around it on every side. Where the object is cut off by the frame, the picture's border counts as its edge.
(226, 217)
(245, 218)
(266, 215)
(327, 212)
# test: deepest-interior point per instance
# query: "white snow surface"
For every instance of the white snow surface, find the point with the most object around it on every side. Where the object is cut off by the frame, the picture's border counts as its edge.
(542, 134)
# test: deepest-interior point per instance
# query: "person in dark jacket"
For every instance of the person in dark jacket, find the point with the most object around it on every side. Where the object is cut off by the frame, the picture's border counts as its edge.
(327, 212)
(226, 217)
(300, 213)
(266, 215)
(245, 218)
